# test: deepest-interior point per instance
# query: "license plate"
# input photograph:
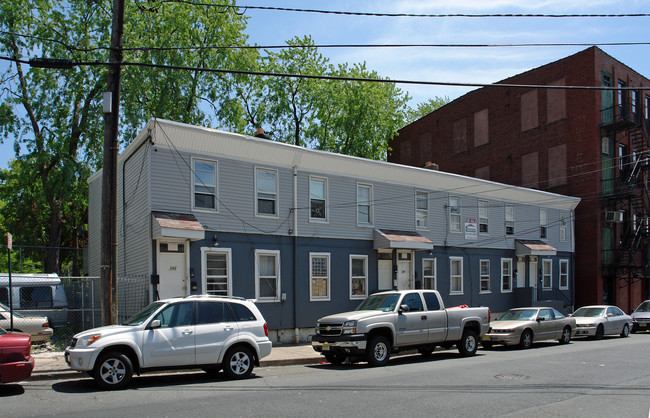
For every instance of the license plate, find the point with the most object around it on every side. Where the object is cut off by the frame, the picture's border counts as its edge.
(326, 347)
(642, 324)
(486, 338)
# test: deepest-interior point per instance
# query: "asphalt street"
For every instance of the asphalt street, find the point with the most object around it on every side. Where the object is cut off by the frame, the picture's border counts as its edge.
(587, 378)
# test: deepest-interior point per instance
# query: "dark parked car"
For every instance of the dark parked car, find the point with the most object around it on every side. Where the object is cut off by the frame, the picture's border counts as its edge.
(16, 361)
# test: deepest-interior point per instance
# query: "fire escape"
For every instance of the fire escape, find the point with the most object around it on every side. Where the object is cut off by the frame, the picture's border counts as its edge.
(625, 199)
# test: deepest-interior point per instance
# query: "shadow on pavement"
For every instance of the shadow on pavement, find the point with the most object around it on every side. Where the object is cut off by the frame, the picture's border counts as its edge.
(11, 389)
(394, 361)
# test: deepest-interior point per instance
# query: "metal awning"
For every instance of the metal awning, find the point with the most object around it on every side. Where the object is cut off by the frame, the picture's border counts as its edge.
(534, 247)
(176, 225)
(389, 239)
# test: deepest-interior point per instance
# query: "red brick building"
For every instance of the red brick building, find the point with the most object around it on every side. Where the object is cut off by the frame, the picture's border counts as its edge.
(588, 143)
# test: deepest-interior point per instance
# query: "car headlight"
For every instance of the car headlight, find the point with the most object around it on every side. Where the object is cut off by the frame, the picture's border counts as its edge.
(88, 340)
(350, 327)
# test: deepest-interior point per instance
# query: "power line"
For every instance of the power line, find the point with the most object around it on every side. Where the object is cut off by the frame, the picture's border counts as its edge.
(416, 15)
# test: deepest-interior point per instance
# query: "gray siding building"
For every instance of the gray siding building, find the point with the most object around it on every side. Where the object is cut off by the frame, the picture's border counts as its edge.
(308, 233)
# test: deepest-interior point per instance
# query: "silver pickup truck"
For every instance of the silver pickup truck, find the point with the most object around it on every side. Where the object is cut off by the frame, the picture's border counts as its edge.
(392, 321)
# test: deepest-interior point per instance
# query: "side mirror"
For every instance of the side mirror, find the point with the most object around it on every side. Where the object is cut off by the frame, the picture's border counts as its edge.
(403, 308)
(154, 324)
(540, 319)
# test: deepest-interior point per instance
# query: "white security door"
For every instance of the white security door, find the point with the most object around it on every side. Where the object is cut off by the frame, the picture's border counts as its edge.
(532, 275)
(521, 274)
(403, 275)
(385, 274)
(171, 270)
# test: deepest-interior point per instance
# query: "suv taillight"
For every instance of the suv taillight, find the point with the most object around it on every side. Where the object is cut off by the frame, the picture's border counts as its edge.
(266, 329)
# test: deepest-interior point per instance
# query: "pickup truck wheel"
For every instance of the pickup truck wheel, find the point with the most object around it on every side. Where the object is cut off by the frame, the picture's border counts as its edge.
(378, 351)
(238, 362)
(427, 351)
(526, 339)
(468, 344)
(113, 370)
(335, 358)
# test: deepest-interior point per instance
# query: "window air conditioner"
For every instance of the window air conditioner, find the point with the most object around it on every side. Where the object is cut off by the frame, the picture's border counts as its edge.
(613, 216)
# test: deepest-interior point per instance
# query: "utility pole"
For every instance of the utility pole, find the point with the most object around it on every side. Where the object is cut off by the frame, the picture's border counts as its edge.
(109, 173)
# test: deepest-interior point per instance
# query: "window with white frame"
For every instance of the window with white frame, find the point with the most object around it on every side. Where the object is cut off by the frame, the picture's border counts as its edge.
(564, 274)
(547, 270)
(364, 205)
(429, 273)
(454, 213)
(485, 276)
(319, 280)
(421, 210)
(456, 275)
(483, 216)
(215, 265)
(510, 219)
(204, 187)
(318, 199)
(542, 223)
(563, 225)
(267, 191)
(358, 276)
(506, 275)
(267, 275)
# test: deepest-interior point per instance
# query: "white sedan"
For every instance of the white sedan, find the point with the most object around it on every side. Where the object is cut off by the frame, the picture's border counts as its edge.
(36, 326)
(600, 320)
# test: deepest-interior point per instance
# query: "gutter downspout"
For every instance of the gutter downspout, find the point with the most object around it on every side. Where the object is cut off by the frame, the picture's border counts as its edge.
(296, 331)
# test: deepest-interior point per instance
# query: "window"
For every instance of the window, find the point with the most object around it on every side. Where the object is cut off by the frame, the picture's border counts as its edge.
(36, 297)
(510, 220)
(205, 185)
(646, 109)
(485, 276)
(454, 214)
(319, 283)
(266, 186)
(622, 99)
(456, 275)
(506, 275)
(176, 315)
(634, 101)
(267, 275)
(563, 225)
(547, 281)
(413, 301)
(318, 199)
(358, 276)
(564, 274)
(241, 312)
(216, 270)
(483, 216)
(364, 205)
(429, 273)
(421, 210)
(213, 313)
(542, 223)
(4, 296)
(433, 304)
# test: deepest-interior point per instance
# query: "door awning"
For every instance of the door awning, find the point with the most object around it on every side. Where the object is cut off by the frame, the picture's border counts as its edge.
(176, 225)
(409, 240)
(534, 247)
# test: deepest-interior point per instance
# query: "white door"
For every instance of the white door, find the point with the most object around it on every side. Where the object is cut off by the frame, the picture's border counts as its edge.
(404, 275)
(173, 344)
(171, 270)
(521, 274)
(532, 276)
(385, 275)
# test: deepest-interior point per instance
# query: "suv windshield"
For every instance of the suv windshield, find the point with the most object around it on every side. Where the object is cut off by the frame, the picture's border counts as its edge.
(644, 307)
(589, 312)
(142, 316)
(519, 315)
(384, 303)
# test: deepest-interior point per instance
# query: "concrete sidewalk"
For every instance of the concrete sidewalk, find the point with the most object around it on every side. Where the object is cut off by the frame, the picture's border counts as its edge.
(52, 365)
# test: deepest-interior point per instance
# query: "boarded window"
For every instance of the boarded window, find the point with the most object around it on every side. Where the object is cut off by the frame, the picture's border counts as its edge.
(557, 166)
(530, 170)
(556, 102)
(460, 136)
(529, 117)
(482, 173)
(481, 131)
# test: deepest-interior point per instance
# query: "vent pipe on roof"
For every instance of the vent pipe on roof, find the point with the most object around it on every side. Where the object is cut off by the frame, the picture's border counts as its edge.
(431, 166)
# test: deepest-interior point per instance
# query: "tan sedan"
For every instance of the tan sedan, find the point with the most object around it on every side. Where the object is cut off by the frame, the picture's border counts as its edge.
(36, 326)
(522, 326)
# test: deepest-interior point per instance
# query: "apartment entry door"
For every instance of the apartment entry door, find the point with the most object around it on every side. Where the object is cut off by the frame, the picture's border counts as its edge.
(404, 270)
(171, 270)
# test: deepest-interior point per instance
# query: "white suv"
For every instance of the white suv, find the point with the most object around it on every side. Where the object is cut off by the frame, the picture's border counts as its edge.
(208, 332)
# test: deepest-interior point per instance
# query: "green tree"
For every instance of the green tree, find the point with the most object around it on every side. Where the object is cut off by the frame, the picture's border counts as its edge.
(424, 108)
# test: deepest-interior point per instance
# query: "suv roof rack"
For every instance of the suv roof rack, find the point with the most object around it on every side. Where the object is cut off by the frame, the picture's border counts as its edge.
(214, 296)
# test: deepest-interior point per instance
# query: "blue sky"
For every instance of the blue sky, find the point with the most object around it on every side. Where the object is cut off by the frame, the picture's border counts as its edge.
(463, 65)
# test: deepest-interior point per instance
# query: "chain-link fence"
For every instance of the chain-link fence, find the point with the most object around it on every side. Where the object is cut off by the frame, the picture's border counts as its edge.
(71, 305)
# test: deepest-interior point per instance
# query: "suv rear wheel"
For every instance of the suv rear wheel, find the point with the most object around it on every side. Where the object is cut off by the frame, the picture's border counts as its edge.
(238, 362)
(113, 370)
